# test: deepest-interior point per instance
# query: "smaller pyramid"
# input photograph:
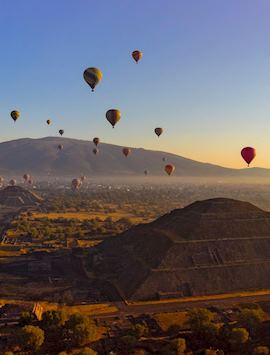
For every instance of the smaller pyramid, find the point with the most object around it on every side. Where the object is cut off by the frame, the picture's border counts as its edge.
(17, 196)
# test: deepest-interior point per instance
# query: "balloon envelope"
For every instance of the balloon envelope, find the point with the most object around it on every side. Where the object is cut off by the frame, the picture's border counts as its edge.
(137, 55)
(126, 151)
(158, 131)
(113, 116)
(76, 183)
(95, 151)
(248, 154)
(12, 182)
(169, 168)
(92, 76)
(96, 141)
(15, 115)
(48, 122)
(61, 132)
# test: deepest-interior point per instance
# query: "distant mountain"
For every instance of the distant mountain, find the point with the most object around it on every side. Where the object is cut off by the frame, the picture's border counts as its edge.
(209, 247)
(41, 156)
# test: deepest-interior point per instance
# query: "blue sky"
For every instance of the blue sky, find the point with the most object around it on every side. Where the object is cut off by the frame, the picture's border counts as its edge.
(204, 76)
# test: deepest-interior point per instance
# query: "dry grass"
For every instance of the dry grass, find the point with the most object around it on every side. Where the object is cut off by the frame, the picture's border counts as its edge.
(88, 309)
(166, 320)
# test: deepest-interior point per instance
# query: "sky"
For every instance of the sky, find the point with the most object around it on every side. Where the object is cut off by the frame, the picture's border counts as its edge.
(204, 76)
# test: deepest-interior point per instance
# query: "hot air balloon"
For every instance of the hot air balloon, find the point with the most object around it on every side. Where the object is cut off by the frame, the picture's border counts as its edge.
(61, 132)
(113, 116)
(15, 115)
(248, 154)
(96, 141)
(48, 122)
(1, 180)
(30, 181)
(95, 151)
(12, 182)
(145, 172)
(92, 76)
(60, 147)
(76, 183)
(158, 131)
(137, 55)
(26, 177)
(126, 151)
(169, 168)
(163, 159)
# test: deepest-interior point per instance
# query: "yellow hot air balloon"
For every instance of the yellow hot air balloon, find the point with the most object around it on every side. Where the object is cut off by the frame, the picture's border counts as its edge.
(113, 116)
(92, 76)
(15, 115)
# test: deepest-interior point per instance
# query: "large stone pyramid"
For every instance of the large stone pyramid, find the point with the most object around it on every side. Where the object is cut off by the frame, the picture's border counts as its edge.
(209, 247)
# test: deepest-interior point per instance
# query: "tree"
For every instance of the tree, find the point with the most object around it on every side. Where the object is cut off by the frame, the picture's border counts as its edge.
(80, 329)
(198, 318)
(180, 345)
(32, 337)
(140, 330)
(250, 319)
(53, 320)
(261, 350)
(87, 351)
(26, 318)
(238, 337)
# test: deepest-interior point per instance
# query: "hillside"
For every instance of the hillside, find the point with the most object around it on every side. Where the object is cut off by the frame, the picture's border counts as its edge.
(41, 156)
(209, 247)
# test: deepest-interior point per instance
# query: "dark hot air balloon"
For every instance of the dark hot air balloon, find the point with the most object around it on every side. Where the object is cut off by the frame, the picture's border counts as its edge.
(95, 151)
(48, 122)
(60, 147)
(92, 76)
(158, 131)
(15, 115)
(137, 55)
(113, 116)
(96, 141)
(61, 132)
(126, 151)
(248, 154)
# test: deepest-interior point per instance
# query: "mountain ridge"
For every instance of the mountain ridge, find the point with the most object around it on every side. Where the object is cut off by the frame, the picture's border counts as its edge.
(40, 156)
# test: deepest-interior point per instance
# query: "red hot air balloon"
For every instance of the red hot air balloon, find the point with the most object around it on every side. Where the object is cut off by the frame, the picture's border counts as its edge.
(248, 154)
(137, 55)
(126, 151)
(169, 168)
